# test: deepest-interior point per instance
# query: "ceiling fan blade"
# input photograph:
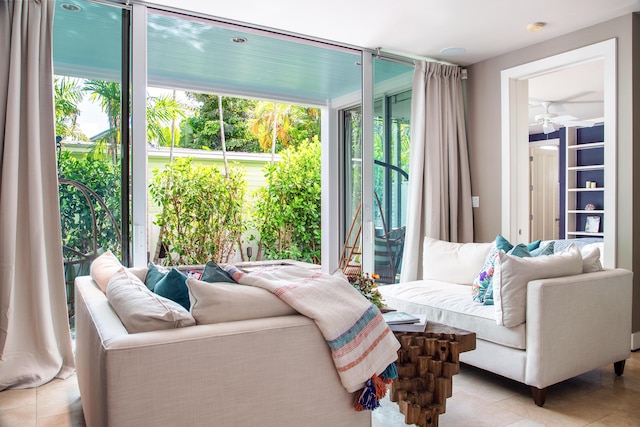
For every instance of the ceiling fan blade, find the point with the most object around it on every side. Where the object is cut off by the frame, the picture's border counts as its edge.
(578, 123)
(562, 119)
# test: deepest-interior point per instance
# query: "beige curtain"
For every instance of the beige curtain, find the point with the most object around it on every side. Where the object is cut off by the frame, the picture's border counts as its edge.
(35, 342)
(439, 200)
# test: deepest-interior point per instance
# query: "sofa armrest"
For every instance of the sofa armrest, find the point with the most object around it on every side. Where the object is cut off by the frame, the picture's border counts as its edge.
(576, 324)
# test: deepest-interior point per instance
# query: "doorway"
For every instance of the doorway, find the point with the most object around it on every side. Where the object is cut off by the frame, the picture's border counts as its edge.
(515, 149)
(545, 191)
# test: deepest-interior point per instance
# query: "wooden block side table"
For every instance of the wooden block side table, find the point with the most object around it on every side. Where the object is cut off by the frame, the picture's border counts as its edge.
(426, 364)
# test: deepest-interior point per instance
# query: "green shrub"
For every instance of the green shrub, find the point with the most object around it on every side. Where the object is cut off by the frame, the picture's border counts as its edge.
(201, 218)
(101, 176)
(287, 211)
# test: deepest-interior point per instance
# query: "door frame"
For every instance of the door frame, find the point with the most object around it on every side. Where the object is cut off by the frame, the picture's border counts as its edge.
(515, 149)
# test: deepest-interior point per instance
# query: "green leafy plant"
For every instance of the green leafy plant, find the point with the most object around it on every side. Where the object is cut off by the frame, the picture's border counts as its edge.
(201, 218)
(287, 211)
(101, 176)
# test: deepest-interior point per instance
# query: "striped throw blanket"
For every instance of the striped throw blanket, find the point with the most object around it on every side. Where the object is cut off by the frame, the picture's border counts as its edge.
(362, 346)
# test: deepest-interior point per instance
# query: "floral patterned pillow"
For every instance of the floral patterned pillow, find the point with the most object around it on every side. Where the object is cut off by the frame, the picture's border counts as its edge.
(483, 280)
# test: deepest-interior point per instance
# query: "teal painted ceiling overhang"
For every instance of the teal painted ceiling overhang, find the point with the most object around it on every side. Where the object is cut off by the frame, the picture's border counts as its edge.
(200, 55)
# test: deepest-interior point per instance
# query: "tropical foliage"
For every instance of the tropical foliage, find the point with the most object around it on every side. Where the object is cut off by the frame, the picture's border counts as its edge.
(202, 211)
(68, 94)
(287, 211)
(102, 177)
(202, 130)
(281, 125)
(162, 114)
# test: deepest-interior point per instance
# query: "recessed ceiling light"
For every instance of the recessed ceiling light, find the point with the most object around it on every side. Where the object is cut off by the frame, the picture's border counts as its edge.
(70, 7)
(453, 51)
(239, 40)
(536, 26)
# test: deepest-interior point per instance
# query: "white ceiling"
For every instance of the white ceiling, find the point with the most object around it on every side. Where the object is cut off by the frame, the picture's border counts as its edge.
(577, 91)
(422, 28)
(485, 28)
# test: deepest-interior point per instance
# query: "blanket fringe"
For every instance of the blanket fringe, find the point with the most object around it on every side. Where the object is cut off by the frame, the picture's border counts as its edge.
(374, 389)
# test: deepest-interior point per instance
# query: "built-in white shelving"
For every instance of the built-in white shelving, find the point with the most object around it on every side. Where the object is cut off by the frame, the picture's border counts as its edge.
(584, 165)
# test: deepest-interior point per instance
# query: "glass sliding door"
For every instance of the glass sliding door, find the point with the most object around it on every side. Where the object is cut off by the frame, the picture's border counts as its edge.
(351, 120)
(88, 70)
(374, 231)
(391, 172)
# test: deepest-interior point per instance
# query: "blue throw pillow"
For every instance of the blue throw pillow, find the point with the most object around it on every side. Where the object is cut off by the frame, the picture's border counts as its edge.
(505, 245)
(174, 287)
(154, 275)
(214, 273)
(547, 249)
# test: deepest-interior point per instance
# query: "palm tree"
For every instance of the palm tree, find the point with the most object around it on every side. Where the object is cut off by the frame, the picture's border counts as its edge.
(272, 123)
(68, 94)
(108, 95)
(162, 112)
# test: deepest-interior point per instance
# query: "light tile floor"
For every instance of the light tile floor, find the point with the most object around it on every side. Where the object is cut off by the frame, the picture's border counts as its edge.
(597, 398)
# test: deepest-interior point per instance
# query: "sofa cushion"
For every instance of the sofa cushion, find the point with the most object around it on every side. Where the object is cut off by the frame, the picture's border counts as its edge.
(222, 302)
(140, 272)
(139, 309)
(103, 268)
(512, 274)
(174, 287)
(453, 262)
(214, 273)
(449, 304)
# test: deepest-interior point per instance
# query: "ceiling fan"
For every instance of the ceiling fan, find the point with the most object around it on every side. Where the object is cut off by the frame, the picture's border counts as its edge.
(548, 120)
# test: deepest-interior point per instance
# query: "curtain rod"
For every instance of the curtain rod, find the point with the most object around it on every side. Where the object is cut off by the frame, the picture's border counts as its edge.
(406, 60)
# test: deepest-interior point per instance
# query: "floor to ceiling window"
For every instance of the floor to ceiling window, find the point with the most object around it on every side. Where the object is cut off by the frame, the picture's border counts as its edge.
(186, 54)
(88, 51)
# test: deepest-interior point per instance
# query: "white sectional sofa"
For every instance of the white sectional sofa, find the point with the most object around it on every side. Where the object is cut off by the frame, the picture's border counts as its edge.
(572, 324)
(274, 371)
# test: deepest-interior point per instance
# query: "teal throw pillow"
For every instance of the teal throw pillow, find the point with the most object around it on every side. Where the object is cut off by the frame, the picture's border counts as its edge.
(547, 249)
(173, 286)
(214, 273)
(505, 245)
(154, 274)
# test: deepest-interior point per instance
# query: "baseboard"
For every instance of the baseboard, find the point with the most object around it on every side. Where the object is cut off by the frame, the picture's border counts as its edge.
(635, 341)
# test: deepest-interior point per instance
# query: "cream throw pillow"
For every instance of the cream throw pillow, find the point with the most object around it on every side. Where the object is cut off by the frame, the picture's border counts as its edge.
(512, 274)
(591, 258)
(453, 262)
(139, 309)
(228, 302)
(139, 272)
(103, 268)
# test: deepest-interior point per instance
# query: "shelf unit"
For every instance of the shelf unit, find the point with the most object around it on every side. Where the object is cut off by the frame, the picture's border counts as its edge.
(585, 162)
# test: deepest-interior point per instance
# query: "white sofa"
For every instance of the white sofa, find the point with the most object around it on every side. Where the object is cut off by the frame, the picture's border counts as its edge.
(273, 371)
(573, 324)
